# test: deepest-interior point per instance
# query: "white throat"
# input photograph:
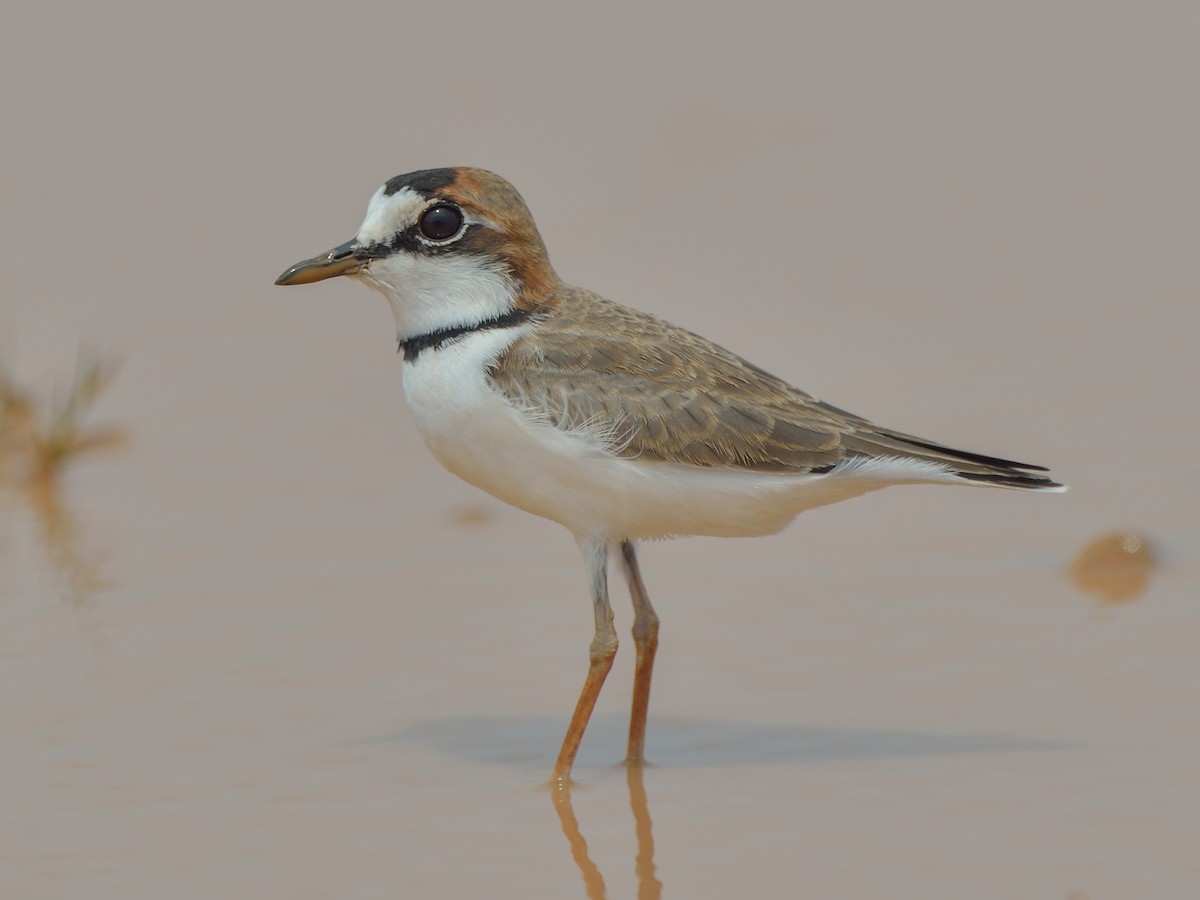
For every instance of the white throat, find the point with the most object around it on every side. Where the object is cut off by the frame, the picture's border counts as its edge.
(432, 293)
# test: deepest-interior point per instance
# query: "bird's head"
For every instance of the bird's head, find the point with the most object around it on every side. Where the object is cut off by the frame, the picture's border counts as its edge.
(447, 247)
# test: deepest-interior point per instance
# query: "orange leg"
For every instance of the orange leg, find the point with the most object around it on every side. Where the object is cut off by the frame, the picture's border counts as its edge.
(603, 649)
(645, 640)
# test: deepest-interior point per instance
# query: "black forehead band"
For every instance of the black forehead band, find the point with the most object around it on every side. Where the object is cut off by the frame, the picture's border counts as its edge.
(426, 181)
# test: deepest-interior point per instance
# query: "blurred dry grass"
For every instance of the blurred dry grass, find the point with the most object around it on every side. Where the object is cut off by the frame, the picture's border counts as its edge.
(38, 438)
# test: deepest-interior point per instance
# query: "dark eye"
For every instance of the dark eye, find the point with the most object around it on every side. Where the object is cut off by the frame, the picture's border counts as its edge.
(440, 222)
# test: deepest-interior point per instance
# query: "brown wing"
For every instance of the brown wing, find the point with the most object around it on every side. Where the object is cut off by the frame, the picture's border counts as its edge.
(661, 393)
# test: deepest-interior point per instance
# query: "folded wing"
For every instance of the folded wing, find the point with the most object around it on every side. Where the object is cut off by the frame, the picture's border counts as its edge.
(657, 392)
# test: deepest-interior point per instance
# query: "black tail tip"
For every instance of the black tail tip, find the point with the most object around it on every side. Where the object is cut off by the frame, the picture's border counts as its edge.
(1015, 480)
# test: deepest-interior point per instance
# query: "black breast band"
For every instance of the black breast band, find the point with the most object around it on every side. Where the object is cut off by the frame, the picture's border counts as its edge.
(435, 340)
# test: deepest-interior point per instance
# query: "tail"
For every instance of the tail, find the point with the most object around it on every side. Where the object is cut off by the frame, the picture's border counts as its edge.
(973, 467)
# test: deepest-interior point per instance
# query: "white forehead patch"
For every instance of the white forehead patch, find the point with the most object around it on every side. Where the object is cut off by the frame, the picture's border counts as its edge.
(388, 214)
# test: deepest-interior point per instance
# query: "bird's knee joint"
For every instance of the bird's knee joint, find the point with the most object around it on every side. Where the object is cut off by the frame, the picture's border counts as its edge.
(603, 649)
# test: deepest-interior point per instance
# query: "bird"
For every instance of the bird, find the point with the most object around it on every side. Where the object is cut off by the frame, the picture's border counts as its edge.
(616, 424)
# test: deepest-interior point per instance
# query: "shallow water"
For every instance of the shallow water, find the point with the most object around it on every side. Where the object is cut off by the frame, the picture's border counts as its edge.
(267, 648)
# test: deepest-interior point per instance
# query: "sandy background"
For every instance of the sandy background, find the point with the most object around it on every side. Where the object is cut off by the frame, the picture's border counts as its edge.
(270, 649)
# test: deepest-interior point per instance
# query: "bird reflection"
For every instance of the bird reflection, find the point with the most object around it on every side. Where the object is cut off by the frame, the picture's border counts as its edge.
(649, 887)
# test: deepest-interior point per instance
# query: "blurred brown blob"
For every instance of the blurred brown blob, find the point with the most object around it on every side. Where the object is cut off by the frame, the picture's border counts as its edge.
(471, 516)
(1115, 567)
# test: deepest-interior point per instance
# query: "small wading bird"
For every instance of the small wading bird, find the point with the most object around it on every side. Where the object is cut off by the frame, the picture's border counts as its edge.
(617, 425)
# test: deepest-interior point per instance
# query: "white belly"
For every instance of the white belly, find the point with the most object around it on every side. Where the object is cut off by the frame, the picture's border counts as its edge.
(574, 479)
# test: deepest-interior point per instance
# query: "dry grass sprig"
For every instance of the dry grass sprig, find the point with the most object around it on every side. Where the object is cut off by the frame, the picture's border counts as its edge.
(37, 440)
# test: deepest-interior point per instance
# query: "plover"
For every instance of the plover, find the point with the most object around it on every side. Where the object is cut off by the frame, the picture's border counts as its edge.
(616, 424)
